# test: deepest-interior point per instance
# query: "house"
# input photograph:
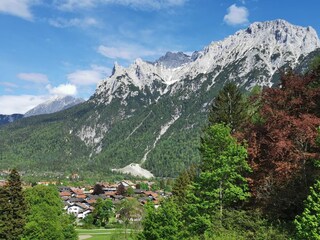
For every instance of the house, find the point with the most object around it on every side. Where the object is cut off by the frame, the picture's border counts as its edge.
(138, 191)
(65, 195)
(116, 198)
(111, 193)
(151, 195)
(76, 191)
(80, 210)
(82, 215)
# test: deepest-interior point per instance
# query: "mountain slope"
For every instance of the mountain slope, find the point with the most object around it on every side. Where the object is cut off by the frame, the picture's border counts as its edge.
(4, 119)
(152, 113)
(54, 105)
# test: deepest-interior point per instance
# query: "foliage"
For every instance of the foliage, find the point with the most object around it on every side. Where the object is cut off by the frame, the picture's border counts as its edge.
(129, 210)
(162, 223)
(221, 183)
(97, 189)
(121, 190)
(12, 208)
(240, 224)
(130, 191)
(103, 211)
(46, 218)
(282, 147)
(143, 186)
(182, 183)
(307, 224)
(229, 107)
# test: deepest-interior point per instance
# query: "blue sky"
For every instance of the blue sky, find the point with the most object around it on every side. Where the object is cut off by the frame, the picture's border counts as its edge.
(65, 47)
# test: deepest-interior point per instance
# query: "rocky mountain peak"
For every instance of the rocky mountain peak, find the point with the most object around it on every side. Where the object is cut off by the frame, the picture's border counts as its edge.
(262, 47)
(173, 60)
(54, 105)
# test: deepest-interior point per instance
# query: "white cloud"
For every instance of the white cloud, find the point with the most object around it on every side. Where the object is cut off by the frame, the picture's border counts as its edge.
(33, 77)
(71, 5)
(18, 8)
(9, 84)
(127, 52)
(236, 15)
(10, 104)
(74, 22)
(62, 90)
(89, 76)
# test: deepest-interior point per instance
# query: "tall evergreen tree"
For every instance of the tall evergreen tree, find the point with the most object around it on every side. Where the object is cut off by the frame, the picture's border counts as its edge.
(229, 107)
(221, 183)
(4, 213)
(181, 184)
(12, 207)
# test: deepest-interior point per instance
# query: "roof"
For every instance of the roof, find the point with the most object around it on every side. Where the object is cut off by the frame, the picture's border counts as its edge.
(111, 193)
(76, 200)
(64, 194)
(150, 193)
(76, 190)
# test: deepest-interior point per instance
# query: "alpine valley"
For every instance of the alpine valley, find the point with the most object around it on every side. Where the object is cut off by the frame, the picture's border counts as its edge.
(146, 119)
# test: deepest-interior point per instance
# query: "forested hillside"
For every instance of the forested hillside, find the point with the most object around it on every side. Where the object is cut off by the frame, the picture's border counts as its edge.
(135, 116)
(258, 178)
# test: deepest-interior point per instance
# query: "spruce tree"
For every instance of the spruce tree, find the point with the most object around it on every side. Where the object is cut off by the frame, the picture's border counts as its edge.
(221, 183)
(12, 207)
(229, 107)
(4, 213)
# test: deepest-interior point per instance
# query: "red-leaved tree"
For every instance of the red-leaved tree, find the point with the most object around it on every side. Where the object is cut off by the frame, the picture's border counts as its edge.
(282, 146)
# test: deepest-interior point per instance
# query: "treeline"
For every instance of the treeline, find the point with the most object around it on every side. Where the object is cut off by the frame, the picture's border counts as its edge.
(259, 172)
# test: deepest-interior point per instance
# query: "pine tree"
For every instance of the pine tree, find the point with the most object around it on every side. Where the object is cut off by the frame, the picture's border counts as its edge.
(4, 213)
(229, 107)
(221, 183)
(181, 184)
(12, 207)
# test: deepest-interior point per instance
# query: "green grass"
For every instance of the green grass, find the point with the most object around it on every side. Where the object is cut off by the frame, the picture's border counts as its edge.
(104, 234)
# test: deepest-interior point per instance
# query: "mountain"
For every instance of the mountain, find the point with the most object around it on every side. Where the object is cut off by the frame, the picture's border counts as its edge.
(54, 105)
(4, 119)
(149, 116)
(173, 60)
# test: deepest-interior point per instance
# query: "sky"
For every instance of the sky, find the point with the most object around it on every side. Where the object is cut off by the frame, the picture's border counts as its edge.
(51, 48)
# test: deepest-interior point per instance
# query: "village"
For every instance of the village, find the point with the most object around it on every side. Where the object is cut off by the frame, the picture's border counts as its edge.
(80, 200)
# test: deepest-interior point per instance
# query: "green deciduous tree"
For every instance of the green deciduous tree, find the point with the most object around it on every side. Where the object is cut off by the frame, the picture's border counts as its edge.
(46, 218)
(307, 224)
(129, 210)
(163, 223)
(102, 212)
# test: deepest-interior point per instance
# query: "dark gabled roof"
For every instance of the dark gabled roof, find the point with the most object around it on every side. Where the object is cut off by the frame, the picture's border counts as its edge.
(118, 197)
(76, 200)
(138, 191)
(64, 188)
